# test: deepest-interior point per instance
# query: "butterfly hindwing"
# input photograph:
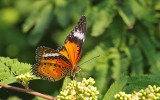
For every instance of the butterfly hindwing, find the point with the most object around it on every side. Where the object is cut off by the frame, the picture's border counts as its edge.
(51, 64)
(74, 41)
(52, 72)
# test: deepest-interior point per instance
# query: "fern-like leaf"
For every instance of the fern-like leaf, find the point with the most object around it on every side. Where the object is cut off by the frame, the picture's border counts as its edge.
(115, 88)
(10, 68)
(137, 61)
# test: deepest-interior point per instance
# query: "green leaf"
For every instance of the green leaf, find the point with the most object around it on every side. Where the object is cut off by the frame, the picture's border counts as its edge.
(149, 49)
(157, 5)
(101, 70)
(4, 75)
(63, 16)
(41, 25)
(10, 79)
(102, 21)
(127, 15)
(117, 32)
(142, 11)
(139, 82)
(11, 68)
(115, 56)
(130, 84)
(139, 10)
(31, 20)
(115, 88)
(63, 12)
(137, 61)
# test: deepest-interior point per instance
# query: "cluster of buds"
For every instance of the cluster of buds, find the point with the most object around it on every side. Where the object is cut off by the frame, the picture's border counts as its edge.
(24, 79)
(150, 93)
(79, 91)
(122, 96)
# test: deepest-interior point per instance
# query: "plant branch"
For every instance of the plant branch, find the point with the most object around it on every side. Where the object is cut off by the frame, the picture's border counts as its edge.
(29, 91)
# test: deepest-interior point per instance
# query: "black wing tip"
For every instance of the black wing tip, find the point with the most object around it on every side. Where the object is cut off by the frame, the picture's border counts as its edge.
(83, 19)
(82, 24)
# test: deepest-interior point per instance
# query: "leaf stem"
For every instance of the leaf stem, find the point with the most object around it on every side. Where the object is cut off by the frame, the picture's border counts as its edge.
(29, 91)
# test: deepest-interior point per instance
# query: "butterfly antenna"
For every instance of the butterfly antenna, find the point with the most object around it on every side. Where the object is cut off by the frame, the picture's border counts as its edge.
(89, 60)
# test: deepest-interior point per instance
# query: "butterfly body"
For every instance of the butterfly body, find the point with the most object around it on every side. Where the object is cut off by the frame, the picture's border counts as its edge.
(56, 64)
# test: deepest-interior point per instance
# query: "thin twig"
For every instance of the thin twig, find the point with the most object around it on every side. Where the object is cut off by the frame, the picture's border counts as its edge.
(29, 91)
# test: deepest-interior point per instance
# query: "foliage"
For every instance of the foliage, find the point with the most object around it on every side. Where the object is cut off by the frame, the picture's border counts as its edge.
(125, 33)
(131, 84)
(10, 68)
(151, 93)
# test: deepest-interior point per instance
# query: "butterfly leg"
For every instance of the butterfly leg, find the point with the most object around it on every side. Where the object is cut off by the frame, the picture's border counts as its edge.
(81, 74)
(74, 77)
(66, 80)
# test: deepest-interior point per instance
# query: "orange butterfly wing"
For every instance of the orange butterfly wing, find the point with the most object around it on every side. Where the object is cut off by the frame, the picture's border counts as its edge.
(63, 51)
(74, 42)
(51, 64)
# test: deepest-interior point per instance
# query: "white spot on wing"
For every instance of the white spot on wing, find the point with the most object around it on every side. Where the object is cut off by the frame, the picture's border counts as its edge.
(79, 35)
(51, 54)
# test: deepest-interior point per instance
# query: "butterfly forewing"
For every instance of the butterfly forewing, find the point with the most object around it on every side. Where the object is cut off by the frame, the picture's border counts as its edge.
(74, 41)
(63, 51)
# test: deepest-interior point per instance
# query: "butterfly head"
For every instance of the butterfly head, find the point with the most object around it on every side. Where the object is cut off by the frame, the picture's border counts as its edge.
(77, 69)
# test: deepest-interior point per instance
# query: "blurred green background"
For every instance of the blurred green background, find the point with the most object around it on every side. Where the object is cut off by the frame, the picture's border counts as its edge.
(125, 33)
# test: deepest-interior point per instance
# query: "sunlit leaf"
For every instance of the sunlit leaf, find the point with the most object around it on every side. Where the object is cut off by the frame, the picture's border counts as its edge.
(115, 88)
(127, 15)
(10, 68)
(102, 21)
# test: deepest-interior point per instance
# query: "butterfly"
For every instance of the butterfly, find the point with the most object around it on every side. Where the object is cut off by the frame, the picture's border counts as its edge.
(56, 64)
